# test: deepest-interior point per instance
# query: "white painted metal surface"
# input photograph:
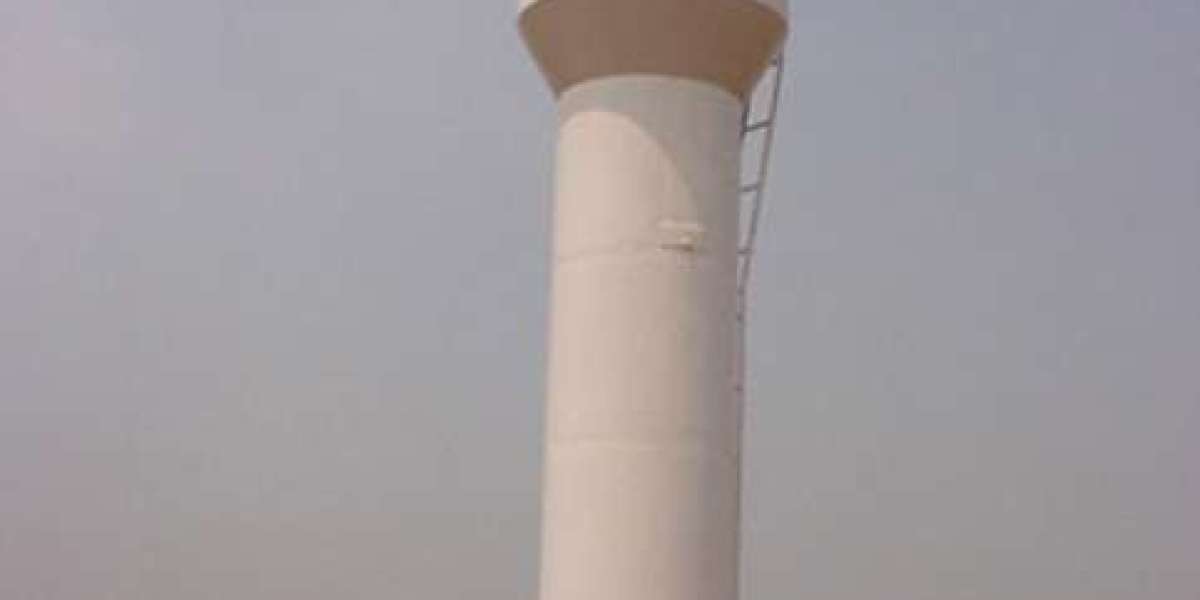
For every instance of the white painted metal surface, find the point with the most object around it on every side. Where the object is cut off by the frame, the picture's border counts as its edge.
(641, 466)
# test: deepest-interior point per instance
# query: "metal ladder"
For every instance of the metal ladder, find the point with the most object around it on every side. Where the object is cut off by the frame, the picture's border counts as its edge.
(751, 192)
(750, 205)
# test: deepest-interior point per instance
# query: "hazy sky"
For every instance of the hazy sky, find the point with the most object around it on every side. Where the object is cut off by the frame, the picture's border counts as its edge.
(273, 280)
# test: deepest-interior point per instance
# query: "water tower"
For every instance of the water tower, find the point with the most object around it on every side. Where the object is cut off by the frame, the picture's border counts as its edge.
(653, 234)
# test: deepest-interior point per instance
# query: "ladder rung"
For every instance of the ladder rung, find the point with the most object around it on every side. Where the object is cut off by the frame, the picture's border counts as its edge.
(763, 124)
(745, 251)
(750, 187)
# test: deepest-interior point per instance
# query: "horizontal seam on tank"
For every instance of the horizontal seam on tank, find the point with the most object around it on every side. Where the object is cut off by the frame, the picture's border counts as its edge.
(634, 251)
(642, 445)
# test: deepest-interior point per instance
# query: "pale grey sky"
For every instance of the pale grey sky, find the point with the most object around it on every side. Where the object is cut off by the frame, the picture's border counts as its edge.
(272, 295)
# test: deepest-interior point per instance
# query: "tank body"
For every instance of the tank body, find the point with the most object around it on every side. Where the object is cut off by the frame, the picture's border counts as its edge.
(642, 442)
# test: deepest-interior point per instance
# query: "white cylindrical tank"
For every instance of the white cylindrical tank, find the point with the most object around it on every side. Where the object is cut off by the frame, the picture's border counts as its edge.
(642, 452)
